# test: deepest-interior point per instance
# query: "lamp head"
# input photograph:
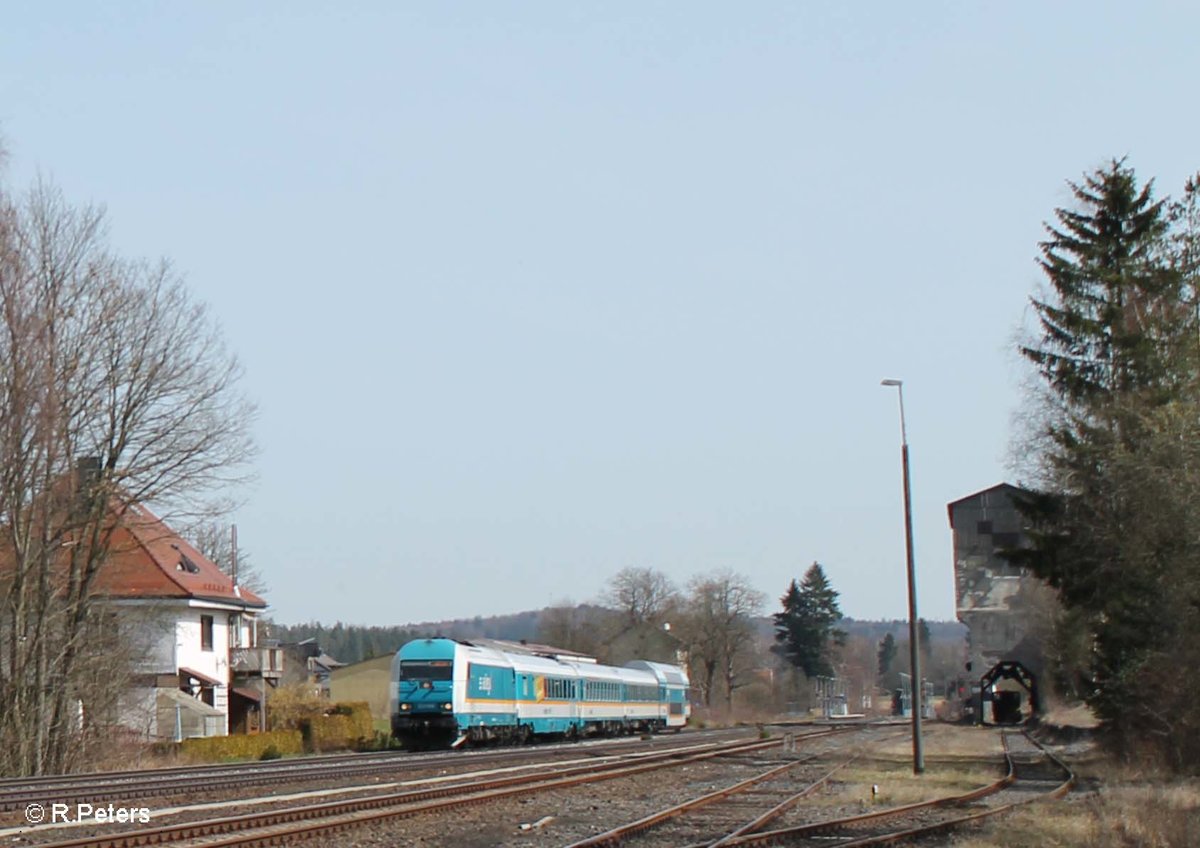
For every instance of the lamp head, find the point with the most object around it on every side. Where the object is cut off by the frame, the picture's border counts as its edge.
(891, 383)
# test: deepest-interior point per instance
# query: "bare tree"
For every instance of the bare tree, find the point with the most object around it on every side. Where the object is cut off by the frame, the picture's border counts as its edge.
(215, 539)
(572, 627)
(642, 603)
(642, 596)
(719, 631)
(115, 390)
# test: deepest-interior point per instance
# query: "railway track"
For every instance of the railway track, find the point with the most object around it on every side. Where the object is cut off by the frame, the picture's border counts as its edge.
(435, 796)
(723, 814)
(1031, 774)
(173, 782)
(139, 785)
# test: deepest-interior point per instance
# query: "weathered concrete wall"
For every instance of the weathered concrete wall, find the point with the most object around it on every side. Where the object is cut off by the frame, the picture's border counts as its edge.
(1002, 606)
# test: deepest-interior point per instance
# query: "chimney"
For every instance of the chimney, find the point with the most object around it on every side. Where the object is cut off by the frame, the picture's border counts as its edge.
(87, 479)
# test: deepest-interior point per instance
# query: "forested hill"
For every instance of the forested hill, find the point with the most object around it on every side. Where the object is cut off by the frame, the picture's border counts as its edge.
(350, 643)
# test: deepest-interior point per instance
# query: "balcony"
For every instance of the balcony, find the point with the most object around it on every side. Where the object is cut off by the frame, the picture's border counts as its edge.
(256, 662)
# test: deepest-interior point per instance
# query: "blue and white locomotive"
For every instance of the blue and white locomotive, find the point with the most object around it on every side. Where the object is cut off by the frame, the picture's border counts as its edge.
(444, 690)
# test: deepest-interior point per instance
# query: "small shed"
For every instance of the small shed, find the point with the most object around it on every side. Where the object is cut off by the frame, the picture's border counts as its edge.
(180, 716)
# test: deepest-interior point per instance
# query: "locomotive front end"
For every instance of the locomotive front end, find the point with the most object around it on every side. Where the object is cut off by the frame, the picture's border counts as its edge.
(423, 683)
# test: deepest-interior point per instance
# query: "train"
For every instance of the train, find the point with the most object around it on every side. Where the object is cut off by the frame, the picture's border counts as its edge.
(456, 692)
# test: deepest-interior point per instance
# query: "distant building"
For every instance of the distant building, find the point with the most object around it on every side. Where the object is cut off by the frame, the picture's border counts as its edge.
(368, 681)
(1004, 607)
(308, 665)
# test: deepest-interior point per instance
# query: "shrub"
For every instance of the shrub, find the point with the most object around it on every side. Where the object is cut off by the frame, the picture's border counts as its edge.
(342, 726)
(242, 747)
(382, 741)
(288, 707)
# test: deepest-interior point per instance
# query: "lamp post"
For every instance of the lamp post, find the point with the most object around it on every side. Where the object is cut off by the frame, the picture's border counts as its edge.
(914, 653)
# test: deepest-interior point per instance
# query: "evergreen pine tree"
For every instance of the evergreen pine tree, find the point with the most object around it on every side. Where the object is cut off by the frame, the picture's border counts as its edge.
(1103, 262)
(924, 640)
(804, 629)
(886, 655)
(1117, 357)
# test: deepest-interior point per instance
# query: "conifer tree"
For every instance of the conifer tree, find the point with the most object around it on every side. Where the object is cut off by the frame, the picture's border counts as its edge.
(805, 631)
(1101, 327)
(1111, 523)
(886, 655)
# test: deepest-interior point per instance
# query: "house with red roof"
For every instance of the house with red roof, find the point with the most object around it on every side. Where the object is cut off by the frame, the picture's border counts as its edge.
(199, 669)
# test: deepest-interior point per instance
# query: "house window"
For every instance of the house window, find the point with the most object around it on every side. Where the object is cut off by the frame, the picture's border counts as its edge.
(206, 632)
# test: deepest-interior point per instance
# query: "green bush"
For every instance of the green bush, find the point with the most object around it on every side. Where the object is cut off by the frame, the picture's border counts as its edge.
(242, 746)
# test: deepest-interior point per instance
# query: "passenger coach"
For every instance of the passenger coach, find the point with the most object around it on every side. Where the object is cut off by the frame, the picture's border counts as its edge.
(447, 690)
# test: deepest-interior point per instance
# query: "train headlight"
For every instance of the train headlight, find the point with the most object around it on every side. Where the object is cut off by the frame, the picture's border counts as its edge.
(447, 706)
(405, 707)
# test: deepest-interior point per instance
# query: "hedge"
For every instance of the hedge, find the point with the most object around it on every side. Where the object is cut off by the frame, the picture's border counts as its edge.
(345, 726)
(242, 746)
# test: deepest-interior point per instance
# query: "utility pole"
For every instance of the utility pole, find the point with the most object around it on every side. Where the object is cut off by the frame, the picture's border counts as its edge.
(914, 653)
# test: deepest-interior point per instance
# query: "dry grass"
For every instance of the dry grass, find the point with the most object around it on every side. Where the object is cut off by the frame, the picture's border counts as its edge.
(898, 785)
(1161, 816)
(1117, 806)
(1078, 715)
(958, 759)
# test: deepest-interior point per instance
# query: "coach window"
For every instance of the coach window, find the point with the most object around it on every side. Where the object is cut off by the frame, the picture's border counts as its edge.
(206, 632)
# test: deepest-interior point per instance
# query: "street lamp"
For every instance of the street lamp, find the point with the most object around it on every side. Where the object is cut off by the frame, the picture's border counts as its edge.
(914, 654)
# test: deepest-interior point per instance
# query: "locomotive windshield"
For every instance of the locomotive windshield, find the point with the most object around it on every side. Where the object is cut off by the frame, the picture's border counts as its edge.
(425, 669)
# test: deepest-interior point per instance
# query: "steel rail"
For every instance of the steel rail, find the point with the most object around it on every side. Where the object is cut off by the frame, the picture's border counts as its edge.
(305, 760)
(168, 786)
(973, 818)
(163, 783)
(616, 835)
(167, 771)
(782, 807)
(409, 803)
(787, 834)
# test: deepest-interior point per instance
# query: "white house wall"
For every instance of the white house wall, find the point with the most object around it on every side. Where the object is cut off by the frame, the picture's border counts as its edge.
(163, 636)
(213, 662)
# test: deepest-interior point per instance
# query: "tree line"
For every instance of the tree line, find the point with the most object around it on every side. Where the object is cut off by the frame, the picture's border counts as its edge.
(1114, 448)
(716, 624)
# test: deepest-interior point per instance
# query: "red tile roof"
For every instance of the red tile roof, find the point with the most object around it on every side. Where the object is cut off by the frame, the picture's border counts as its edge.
(148, 559)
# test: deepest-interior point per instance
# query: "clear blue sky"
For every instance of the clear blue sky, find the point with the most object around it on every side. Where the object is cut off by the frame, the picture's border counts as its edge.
(531, 292)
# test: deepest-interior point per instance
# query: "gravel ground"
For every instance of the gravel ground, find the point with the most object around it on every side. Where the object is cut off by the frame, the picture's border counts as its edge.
(569, 815)
(955, 757)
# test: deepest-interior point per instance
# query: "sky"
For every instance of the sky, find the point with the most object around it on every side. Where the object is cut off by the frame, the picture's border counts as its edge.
(528, 293)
